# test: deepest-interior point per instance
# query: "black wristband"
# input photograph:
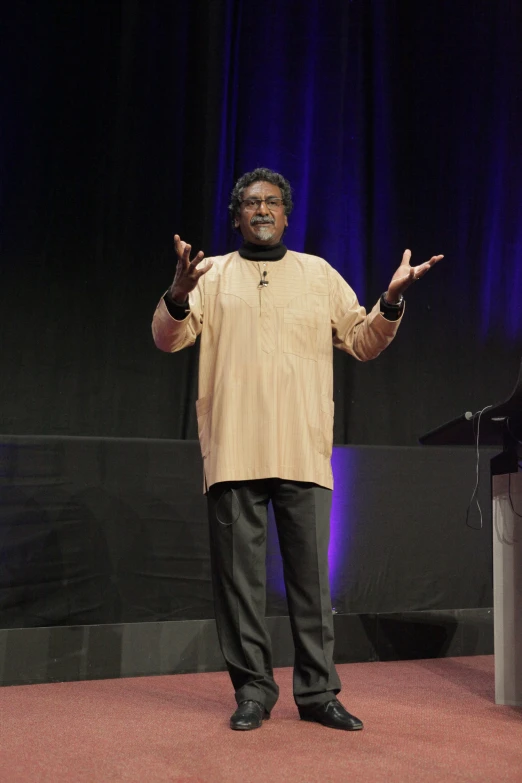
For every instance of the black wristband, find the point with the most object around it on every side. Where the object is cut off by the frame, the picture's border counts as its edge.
(177, 310)
(392, 312)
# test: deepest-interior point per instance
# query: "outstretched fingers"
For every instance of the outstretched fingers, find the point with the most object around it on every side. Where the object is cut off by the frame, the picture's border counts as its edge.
(197, 258)
(420, 271)
(203, 271)
(406, 258)
(183, 251)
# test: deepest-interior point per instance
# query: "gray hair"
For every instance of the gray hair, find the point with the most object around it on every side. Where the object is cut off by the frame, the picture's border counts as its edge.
(259, 175)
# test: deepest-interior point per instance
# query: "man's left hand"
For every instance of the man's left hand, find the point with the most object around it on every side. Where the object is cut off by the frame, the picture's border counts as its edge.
(406, 275)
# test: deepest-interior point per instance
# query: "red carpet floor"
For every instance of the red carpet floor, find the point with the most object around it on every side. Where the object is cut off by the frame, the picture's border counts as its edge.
(432, 720)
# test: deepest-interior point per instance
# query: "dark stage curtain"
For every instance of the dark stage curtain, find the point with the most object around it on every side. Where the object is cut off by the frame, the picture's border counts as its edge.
(398, 123)
(114, 530)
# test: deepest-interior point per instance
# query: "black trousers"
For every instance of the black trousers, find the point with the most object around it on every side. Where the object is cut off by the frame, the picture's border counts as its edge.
(238, 513)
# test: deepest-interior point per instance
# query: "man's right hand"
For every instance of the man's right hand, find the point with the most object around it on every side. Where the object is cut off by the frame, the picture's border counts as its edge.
(187, 276)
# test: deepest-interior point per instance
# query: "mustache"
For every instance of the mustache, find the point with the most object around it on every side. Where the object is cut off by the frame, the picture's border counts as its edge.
(262, 219)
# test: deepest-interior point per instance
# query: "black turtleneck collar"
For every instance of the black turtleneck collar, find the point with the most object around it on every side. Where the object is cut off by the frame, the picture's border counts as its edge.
(262, 252)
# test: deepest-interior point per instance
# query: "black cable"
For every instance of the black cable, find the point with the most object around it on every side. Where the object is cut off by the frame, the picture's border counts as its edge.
(228, 524)
(515, 512)
(512, 433)
(519, 465)
(477, 416)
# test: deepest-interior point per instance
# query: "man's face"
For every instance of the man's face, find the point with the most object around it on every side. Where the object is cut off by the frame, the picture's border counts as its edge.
(260, 224)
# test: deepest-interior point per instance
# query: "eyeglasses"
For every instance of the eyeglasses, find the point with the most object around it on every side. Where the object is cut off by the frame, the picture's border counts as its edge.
(253, 204)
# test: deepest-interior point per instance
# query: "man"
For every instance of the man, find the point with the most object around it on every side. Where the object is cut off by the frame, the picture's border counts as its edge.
(268, 318)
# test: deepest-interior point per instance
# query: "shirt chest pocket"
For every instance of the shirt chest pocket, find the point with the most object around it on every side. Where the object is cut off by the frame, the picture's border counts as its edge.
(300, 333)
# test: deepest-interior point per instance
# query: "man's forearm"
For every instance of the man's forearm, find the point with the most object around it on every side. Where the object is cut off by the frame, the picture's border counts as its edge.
(176, 327)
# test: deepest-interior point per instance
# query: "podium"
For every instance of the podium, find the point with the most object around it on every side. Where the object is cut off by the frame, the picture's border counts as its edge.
(501, 425)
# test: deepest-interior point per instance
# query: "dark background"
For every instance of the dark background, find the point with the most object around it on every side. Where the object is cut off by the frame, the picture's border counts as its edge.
(114, 530)
(398, 124)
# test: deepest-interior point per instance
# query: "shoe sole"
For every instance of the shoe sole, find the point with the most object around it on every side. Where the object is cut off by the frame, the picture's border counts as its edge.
(339, 728)
(245, 728)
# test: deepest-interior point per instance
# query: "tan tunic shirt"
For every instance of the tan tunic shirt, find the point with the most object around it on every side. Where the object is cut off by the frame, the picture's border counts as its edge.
(265, 405)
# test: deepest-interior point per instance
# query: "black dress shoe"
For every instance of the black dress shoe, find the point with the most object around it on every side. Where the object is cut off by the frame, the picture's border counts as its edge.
(333, 715)
(249, 715)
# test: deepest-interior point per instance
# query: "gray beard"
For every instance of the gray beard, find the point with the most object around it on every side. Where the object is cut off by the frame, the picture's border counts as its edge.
(264, 232)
